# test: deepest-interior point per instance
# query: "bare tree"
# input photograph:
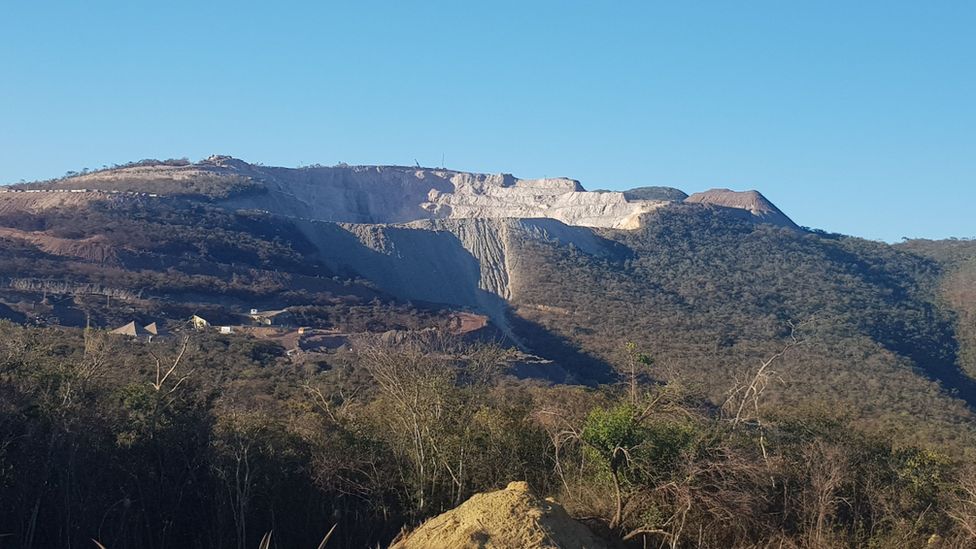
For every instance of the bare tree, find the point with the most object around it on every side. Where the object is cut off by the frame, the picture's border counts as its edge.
(962, 507)
(166, 383)
(743, 403)
(420, 379)
(826, 472)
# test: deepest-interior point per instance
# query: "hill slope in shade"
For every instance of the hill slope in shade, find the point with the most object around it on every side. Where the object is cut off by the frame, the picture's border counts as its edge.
(957, 288)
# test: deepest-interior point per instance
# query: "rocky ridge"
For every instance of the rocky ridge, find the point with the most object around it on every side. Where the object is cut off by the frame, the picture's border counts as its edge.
(399, 194)
(396, 194)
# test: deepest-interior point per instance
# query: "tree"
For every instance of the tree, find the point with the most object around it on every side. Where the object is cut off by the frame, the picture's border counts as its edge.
(430, 386)
(613, 437)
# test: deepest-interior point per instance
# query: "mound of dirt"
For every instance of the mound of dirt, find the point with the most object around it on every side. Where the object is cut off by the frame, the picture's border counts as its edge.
(751, 201)
(507, 519)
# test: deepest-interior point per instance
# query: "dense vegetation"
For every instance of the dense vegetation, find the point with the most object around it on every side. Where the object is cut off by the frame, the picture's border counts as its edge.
(710, 294)
(958, 288)
(214, 441)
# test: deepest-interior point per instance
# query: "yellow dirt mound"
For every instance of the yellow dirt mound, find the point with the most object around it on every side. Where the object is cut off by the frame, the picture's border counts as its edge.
(507, 519)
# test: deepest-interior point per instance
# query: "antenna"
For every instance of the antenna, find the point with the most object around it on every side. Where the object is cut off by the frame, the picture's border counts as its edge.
(442, 161)
(415, 162)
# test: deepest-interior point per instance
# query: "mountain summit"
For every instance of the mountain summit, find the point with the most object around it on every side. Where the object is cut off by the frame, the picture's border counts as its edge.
(400, 194)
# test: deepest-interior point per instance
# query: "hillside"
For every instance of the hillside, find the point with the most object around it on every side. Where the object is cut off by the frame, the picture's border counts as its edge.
(708, 297)
(957, 288)
(708, 283)
(105, 260)
(449, 333)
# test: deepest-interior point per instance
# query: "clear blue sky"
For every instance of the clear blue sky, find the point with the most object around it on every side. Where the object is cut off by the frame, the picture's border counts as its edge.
(856, 117)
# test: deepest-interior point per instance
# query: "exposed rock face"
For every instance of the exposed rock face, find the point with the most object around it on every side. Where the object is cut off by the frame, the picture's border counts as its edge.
(512, 518)
(466, 262)
(392, 194)
(752, 202)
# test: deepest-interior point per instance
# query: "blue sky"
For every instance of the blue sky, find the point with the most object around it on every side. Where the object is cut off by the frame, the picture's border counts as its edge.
(855, 117)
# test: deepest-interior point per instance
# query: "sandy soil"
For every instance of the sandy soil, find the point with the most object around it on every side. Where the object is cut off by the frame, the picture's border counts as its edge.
(513, 518)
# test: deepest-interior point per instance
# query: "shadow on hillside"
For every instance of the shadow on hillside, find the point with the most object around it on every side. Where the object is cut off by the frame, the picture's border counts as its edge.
(952, 379)
(579, 367)
(937, 359)
(929, 340)
(946, 372)
(435, 267)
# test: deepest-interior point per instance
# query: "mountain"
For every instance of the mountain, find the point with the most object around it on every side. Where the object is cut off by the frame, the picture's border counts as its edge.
(389, 194)
(288, 354)
(708, 283)
(420, 234)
